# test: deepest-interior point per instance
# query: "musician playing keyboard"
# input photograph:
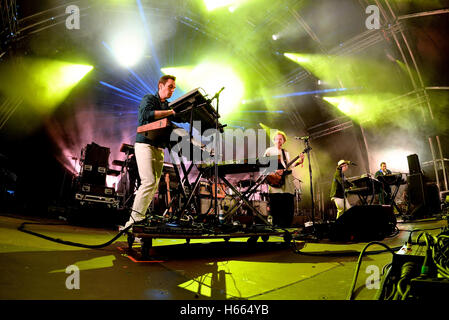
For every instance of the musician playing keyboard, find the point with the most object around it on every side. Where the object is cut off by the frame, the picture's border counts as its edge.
(281, 199)
(339, 183)
(385, 195)
(150, 156)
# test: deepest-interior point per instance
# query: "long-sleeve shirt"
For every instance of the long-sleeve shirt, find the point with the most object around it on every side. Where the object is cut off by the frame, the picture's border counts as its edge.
(338, 187)
(289, 186)
(148, 105)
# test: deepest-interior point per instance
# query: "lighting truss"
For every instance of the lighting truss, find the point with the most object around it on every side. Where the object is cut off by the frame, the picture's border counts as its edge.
(8, 11)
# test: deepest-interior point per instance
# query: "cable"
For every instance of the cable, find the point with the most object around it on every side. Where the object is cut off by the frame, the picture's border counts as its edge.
(406, 273)
(384, 281)
(359, 262)
(69, 243)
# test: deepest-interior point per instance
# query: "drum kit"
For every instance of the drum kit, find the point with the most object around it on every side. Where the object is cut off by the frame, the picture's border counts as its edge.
(129, 182)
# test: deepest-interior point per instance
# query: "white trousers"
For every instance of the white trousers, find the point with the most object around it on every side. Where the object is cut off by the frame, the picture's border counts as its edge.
(340, 204)
(150, 161)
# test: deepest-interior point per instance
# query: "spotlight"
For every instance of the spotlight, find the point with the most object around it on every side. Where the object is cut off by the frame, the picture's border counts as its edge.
(204, 75)
(275, 37)
(128, 48)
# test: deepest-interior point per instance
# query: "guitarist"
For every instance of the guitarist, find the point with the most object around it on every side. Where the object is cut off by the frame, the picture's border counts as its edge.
(281, 199)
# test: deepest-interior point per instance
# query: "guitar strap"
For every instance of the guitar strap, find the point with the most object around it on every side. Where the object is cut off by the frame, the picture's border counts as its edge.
(285, 158)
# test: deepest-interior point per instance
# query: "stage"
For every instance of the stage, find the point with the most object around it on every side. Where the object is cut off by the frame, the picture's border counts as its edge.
(266, 151)
(33, 268)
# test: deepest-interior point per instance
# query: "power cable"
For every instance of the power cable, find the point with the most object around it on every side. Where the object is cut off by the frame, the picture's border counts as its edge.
(70, 243)
(359, 262)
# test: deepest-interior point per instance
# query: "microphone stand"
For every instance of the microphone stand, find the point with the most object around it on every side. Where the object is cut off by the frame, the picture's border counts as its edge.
(308, 148)
(310, 235)
(217, 96)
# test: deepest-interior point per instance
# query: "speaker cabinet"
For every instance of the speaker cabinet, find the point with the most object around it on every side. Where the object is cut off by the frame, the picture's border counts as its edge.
(413, 164)
(364, 223)
(416, 189)
(424, 197)
(96, 155)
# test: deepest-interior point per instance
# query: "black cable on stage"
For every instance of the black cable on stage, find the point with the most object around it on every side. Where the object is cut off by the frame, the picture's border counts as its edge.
(359, 263)
(70, 243)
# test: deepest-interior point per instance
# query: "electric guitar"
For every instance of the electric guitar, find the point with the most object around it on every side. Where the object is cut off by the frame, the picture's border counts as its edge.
(276, 179)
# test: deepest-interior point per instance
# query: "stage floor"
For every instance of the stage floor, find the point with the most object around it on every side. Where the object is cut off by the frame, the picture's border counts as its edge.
(36, 268)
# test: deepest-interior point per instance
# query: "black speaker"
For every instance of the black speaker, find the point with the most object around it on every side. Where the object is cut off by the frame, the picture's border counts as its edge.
(96, 155)
(416, 189)
(423, 197)
(364, 223)
(413, 164)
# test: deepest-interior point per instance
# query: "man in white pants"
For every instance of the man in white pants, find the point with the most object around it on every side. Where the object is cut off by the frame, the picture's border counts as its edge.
(150, 156)
(338, 188)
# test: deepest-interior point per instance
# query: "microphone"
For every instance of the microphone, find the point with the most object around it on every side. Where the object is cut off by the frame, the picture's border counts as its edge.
(302, 138)
(216, 95)
(353, 163)
(220, 91)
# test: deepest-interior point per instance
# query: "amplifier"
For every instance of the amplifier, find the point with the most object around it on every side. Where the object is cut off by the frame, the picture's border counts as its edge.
(261, 206)
(89, 199)
(226, 204)
(97, 190)
(93, 174)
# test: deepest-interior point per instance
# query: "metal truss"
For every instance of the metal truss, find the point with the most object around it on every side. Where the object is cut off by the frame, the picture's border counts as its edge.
(8, 11)
(421, 90)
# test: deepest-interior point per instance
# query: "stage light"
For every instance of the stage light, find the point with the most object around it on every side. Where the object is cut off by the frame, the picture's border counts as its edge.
(275, 37)
(211, 77)
(396, 159)
(298, 58)
(70, 74)
(371, 108)
(42, 84)
(344, 104)
(128, 47)
(216, 4)
(270, 131)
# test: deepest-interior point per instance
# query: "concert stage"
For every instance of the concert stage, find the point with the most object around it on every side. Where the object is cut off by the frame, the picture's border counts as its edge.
(238, 151)
(35, 268)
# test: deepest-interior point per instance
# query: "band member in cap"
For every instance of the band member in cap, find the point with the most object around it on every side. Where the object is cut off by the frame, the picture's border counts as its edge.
(385, 195)
(338, 188)
(281, 199)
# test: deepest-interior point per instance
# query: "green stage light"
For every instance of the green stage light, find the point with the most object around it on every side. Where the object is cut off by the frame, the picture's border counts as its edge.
(216, 4)
(298, 58)
(371, 108)
(42, 84)
(344, 104)
(211, 77)
(351, 72)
